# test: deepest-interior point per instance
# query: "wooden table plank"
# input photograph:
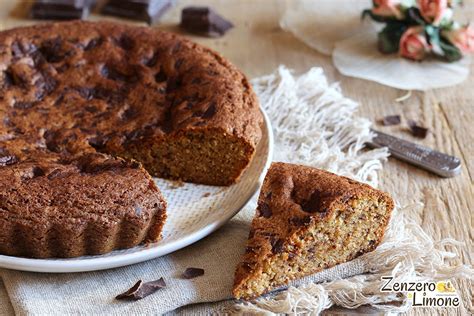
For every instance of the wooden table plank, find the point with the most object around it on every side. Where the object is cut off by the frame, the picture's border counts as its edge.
(258, 46)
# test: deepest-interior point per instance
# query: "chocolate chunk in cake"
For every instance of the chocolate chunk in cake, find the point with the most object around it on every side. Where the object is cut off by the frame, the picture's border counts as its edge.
(308, 220)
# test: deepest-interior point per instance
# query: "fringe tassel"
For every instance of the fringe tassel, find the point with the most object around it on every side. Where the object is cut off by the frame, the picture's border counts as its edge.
(315, 124)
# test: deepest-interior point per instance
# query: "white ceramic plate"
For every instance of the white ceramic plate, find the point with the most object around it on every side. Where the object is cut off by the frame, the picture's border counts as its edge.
(194, 211)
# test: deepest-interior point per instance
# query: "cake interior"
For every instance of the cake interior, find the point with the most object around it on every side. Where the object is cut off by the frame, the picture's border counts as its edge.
(217, 157)
(353, 228)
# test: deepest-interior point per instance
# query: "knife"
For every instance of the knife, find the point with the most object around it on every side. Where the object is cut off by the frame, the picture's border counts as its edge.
(434, 161)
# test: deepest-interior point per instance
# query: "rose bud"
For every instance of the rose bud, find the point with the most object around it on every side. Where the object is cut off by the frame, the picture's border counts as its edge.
(433, 10)
(462, 38)
(388, 8)
(413, 43)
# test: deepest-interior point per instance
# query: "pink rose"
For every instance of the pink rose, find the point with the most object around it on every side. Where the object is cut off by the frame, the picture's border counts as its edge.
(413, 43)
(432, 10)
(387, 8)
(462, 38)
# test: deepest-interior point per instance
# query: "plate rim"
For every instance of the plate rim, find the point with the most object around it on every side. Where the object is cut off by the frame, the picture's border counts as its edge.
(103, 262)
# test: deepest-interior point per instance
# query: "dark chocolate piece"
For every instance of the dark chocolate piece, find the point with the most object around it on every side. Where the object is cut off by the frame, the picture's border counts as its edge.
(192, 273)
(149, 11)
(417, 130)
(8, 160)
(204, 21)
(61, 9)
(141, 290)
(391, 120)
(277, 245)
(265, 210)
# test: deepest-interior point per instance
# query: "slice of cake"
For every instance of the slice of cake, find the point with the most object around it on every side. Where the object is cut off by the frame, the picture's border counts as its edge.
(308, 220)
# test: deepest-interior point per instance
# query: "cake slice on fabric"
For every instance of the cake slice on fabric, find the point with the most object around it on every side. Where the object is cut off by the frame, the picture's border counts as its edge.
(308, 220)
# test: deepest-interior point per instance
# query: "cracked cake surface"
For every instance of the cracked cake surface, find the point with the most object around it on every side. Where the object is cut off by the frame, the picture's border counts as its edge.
(89, 110)
(308, 220)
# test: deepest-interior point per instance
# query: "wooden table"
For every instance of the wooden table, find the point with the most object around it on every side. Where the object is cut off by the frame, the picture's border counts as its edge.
(257, 45)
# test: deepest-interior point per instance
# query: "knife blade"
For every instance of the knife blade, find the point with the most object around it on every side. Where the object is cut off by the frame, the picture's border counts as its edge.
(429, 159)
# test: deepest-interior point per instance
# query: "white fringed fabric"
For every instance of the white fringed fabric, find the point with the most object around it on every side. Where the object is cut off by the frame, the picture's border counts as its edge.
(315, 125)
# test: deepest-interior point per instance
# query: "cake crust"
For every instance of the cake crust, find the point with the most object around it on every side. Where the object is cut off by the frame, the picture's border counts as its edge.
(308, 220)
(81, 103)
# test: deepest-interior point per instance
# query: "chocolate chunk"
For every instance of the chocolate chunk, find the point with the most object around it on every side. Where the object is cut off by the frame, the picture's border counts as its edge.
(85, 92)
(161, 76)
(38, 58)
(8, 79)
(277, 245)
(87, 164)
(45, 84)
(93, 43)
(417, 130)
(125, 42)
(149, 11)
(129, 114)
(98, 142)
(151, 61)
(300, 221)
(51, 141)
(8, 160)
(264, 210)
(52, 50)
(23, 105)
(114, 74)
(314, 203)
(38, 172)
(61, 9)
(204, 21)
(391, 120)
(141, 290)
(191, 273)
(20, 49)
(210, 112)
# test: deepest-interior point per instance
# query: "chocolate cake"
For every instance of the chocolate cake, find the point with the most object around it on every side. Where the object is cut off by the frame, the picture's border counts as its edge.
(83, 106)
(308, 220)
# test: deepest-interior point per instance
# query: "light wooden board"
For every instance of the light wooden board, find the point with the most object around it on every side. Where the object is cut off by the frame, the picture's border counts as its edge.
(257, 45)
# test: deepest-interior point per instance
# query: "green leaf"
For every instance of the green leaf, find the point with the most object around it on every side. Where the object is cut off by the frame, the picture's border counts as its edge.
(414, 16)
(451, 52)
(378, 18)
(389, 37)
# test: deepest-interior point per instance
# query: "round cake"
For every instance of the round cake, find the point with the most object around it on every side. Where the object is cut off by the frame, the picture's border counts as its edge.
(89, 112)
